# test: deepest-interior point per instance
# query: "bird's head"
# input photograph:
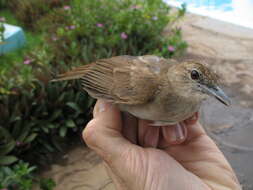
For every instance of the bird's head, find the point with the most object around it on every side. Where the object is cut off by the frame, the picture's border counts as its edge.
(196, 80)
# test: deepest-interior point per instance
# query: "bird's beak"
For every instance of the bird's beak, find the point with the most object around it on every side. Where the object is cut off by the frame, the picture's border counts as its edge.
(218, 93)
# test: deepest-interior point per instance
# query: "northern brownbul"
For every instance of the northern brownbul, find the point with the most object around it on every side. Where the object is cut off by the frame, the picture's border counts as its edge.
(150, 87)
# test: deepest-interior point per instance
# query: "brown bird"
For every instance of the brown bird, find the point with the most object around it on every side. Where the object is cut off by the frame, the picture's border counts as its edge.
(150, 87)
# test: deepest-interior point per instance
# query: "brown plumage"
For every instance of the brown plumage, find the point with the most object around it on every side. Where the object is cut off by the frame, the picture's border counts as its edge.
(149, 87)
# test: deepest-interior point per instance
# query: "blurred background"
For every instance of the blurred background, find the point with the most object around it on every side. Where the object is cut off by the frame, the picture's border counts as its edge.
(41, 122)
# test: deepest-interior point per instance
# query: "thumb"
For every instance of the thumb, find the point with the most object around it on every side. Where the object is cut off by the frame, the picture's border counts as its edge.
(103, 133)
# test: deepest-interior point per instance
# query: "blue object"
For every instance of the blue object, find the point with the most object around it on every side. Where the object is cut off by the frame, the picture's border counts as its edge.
(238, 12)
(14, 38)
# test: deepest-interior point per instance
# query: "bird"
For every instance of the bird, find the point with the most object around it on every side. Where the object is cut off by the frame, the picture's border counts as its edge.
(163, 91)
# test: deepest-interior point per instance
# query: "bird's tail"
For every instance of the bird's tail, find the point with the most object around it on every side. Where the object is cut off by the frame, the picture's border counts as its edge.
(76, 73)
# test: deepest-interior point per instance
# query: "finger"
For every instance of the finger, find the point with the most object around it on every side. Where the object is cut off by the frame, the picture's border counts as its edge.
(190, 129)
(172, 135)
(194, 129)
(130, 127)
(100, 107)
(196, 141)
(148, 136)
(181, 133)
(103, 133)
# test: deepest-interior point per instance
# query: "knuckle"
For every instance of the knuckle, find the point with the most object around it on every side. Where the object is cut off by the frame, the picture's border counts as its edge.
(90, 133)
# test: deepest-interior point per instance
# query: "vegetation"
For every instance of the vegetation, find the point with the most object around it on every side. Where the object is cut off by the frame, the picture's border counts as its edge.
(38, 117)
(20, 177)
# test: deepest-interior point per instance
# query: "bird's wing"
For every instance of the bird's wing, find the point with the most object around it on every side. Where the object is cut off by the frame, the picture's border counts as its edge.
(75, 73)
(125, 79)
(121, 79)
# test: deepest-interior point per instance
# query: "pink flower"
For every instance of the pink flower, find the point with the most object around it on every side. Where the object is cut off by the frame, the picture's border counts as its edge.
(136, 7)
(123, 35)
(100, 25)
(4, 189)
(54, 38)
(72, 27)
(27, 61)
(2, 19)
(171, 48)
(18, 143)
(66, 7)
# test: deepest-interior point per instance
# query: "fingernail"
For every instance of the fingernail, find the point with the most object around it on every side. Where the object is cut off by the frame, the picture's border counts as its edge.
(151, 137)
(179, 133)
(100, 107)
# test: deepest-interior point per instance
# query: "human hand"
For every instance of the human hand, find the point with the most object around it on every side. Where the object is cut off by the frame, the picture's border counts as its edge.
(141, 157)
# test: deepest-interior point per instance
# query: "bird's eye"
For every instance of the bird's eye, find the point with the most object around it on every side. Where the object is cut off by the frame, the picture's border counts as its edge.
(194, 75)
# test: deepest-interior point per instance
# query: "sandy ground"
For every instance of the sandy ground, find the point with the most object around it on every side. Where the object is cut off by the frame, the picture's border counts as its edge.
(228, 49)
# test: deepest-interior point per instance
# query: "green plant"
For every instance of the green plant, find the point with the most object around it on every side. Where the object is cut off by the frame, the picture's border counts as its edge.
(29, 11)
(14, 70)
(27, 102)
(7, 145)
(17, 177)
(41, 118)
(3, 3)
(89, 30)
(2, 29)
(21, 177)
(47, 184)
